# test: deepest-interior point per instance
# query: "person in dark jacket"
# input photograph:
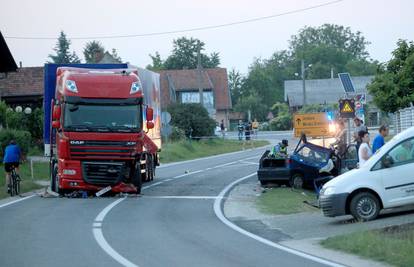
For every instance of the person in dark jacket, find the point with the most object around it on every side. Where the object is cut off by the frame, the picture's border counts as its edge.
(240, 128)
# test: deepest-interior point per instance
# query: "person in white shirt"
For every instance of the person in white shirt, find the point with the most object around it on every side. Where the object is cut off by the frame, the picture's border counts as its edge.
(364, 151)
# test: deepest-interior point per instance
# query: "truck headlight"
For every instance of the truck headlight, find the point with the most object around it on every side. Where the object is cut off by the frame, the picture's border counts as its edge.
(69, 172)
(328, 191)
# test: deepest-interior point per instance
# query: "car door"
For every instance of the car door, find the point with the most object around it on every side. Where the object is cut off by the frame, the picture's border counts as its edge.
(396, 169)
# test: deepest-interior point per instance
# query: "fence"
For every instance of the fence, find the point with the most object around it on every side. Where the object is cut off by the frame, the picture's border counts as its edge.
(404, 119)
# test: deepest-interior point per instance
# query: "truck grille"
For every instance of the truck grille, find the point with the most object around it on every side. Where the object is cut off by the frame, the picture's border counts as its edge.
(102, 173)
(101, 149)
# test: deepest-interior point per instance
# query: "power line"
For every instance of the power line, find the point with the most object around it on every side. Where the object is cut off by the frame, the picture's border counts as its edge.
(188, 29)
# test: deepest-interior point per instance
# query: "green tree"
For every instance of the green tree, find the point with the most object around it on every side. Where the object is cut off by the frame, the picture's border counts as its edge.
(3, 112)
(282, 119)
(157, 63)
(192, 119)
(255, 104)
(393, 86)
(325, 47)
(62, 51)
(236, 81)
(332, 36)
(93, 52)
(114, 55)
(185, 56)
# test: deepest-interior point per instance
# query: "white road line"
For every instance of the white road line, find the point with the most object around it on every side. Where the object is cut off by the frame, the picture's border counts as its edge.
(97, 233)
(105, 211)
(219, 213)
(15, 201)
(210, 157)
(152, 185)
(182, 197)
(186, 174)
(249, 163)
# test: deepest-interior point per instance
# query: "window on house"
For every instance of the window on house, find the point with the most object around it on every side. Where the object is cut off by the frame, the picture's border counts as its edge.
(194, 97)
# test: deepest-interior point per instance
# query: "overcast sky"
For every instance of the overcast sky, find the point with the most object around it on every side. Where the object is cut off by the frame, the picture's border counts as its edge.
(382, 22)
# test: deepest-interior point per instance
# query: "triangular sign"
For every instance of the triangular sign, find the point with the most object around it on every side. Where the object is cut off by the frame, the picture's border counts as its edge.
(347, 108)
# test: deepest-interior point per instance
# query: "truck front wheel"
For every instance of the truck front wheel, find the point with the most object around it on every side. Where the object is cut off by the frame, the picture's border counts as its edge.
(136, 177)
(55, 179)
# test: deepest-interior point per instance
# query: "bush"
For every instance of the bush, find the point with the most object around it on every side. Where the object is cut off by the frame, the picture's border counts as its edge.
(177, 134)
(281, 122)
(22, 138)
(193, 119)
(32, 122)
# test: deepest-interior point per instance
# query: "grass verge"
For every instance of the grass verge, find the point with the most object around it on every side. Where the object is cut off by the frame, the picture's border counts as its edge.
(393, 245)
(186, 150)
(284, 200)
(40, 172)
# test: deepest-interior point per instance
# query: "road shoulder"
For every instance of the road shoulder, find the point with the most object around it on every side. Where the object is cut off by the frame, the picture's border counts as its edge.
(290, 230)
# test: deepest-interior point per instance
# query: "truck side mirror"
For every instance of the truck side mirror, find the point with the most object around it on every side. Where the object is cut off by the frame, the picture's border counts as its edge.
(150, 114)
(56, 124)
(150, 125)
(56, 112)
(387, 161)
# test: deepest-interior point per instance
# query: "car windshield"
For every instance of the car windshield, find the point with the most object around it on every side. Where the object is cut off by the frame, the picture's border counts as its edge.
(102, 118)
(313, 155)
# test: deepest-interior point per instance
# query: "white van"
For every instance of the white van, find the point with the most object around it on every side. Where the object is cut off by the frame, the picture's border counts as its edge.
(385, 181)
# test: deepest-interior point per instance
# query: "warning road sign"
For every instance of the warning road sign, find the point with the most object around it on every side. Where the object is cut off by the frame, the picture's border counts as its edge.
(347, 108)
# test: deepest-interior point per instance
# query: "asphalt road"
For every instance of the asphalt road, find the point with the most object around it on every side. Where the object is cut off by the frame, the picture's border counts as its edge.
(173, 223)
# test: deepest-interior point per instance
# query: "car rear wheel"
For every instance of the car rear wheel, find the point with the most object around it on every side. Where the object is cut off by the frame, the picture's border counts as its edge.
(365, 206)
(296, 181)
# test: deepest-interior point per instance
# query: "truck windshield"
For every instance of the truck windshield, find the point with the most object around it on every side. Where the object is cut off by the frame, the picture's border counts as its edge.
(102, 118)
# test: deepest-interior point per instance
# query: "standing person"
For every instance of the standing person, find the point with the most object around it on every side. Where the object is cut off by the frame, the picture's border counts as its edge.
(379, 140)
(248, 130)
(359, 126)
(341, 138)
(240, 128)
(222, 128)
(11, 160)
(364, 151)
(255, 127)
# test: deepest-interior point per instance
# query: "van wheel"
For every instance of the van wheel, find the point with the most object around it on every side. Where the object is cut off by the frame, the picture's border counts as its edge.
(365, 206)
(296, 181)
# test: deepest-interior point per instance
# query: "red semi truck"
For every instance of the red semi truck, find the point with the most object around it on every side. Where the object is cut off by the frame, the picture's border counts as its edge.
(104, 130)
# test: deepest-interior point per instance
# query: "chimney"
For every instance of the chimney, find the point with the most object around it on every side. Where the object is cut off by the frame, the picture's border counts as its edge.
(20, 64)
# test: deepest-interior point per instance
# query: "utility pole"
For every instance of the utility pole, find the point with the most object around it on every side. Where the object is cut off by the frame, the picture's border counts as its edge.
(200, 77)
(303, 81)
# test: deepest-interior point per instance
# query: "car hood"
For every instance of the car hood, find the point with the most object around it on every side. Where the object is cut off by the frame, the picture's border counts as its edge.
(344, 178)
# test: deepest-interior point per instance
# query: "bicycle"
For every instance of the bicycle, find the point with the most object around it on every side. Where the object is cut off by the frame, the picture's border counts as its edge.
(14, 186)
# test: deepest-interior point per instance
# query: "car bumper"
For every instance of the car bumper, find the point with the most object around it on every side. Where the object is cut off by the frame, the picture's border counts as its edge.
(273, 174)
(333, 205)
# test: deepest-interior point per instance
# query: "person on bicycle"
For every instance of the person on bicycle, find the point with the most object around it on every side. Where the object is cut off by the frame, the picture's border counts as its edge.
(11, 160)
